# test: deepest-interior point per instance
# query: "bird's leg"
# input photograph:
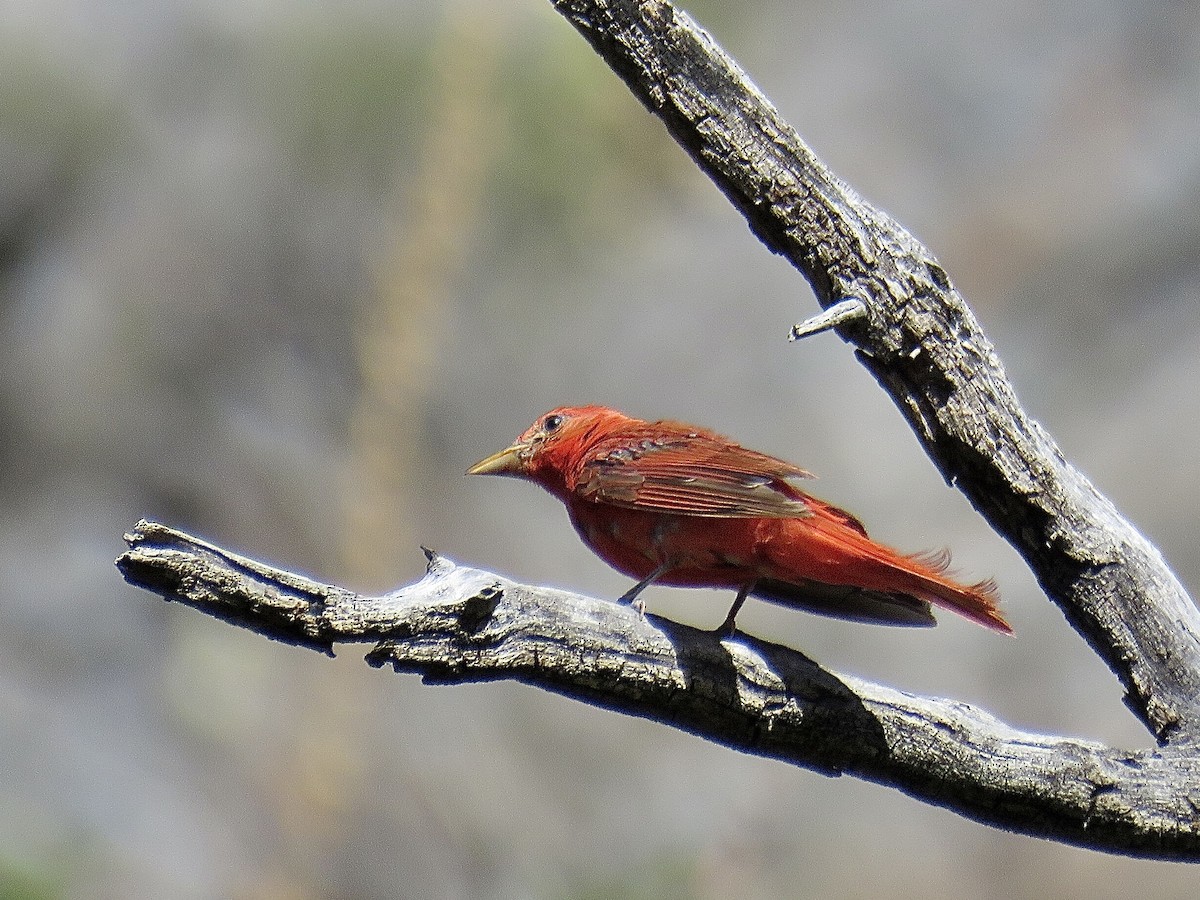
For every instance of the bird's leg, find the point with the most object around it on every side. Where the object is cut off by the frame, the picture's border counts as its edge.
(727, 628)
(631, 595)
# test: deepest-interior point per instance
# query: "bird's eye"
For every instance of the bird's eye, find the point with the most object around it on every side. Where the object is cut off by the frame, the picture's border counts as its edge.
(551, 423)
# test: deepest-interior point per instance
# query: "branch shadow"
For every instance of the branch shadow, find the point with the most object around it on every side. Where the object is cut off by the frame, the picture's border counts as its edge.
(789, 706)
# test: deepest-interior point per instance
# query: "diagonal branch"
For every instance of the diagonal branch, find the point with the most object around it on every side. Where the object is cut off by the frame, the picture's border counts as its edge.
(924, 346)
(459, 624)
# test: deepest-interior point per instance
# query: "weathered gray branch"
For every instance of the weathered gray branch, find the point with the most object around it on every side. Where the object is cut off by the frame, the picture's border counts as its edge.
(459, 624)
(926, 349)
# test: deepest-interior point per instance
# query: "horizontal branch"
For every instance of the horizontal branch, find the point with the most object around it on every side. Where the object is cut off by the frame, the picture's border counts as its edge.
(459, 624)
(916, 335)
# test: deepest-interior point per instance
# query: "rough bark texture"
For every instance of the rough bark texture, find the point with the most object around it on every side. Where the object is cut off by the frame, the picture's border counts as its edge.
(459, 624)
(919, 339)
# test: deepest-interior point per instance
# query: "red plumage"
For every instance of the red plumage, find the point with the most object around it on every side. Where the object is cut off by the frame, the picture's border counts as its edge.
(670, 503)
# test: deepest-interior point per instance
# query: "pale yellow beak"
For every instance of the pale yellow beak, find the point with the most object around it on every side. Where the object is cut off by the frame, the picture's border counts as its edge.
(506, 462)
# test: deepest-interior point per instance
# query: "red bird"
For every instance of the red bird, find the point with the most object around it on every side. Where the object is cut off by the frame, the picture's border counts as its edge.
(669, 503)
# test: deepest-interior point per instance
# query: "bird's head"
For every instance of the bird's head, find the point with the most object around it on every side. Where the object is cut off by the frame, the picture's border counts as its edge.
(549, 449)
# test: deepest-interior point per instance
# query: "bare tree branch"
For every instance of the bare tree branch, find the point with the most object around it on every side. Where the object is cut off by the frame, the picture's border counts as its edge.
(924, 346)
(913, 331)
(459, 624)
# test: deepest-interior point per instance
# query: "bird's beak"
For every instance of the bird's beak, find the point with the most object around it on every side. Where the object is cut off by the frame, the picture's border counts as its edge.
(506, 462)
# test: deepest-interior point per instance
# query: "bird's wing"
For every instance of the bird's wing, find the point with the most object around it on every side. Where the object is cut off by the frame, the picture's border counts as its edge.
(691, 472)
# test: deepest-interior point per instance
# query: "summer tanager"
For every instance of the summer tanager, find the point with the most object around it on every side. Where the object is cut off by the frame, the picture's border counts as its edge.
(673, 504)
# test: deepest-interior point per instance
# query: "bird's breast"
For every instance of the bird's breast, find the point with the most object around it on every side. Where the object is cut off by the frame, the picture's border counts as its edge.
(700, 551)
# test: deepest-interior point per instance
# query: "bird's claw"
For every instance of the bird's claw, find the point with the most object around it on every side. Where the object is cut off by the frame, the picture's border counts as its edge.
(630, 598)
(726, 629)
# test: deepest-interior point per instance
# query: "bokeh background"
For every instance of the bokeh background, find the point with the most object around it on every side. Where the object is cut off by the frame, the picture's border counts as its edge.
(278, 271)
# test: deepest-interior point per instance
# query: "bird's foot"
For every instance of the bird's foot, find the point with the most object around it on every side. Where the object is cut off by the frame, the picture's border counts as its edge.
(726, 629)
(631, 598)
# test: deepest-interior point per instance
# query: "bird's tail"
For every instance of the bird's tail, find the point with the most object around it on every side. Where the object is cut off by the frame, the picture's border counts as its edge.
(843, 602)
(924, 575)
(896, 587)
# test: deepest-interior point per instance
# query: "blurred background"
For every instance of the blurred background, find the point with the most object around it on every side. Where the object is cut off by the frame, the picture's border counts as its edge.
(277, 272)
